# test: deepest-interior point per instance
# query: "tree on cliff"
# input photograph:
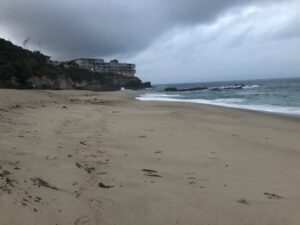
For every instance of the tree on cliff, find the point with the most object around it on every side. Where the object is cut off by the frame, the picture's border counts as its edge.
(20, 67)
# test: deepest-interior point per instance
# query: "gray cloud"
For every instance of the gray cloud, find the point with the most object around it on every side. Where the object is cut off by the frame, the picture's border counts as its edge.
(258, 41)
(169, 40)
(73, 28)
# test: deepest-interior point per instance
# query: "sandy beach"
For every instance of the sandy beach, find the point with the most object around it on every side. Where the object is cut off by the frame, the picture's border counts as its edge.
(79, 157)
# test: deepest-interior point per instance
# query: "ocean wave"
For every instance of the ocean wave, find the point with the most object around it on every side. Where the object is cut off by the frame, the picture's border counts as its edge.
(228, 100)
(251, 86)
(231, 103)
(234, 87)
(159, 95)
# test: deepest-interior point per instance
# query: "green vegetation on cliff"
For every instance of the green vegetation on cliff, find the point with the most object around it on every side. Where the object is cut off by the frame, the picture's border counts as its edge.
(22, 64)
(21, 68)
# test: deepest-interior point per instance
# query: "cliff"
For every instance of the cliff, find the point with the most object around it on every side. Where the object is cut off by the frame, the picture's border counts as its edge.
(23, 69)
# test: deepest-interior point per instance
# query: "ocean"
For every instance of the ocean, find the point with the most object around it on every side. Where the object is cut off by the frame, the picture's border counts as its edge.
(272, 95)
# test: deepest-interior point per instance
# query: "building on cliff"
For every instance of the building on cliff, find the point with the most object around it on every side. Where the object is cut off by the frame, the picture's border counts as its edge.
(100, 66)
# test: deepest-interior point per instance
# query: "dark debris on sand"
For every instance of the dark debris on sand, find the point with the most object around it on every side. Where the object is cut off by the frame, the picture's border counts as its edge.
(272, 196)
(243, 201)
(151, 173)
(101, 185)
(42, 183)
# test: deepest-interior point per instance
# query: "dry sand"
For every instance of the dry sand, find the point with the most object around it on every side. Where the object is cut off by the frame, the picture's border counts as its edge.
(77, 157)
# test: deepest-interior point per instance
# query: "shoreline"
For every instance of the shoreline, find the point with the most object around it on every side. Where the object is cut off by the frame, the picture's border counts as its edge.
(80, 157)
(297, 116)
(271, 95)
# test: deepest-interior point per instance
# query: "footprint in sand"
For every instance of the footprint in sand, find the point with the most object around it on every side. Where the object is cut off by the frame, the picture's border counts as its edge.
(82, 220)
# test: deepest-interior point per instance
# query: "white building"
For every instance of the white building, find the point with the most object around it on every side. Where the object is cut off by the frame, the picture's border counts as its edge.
(100, 66)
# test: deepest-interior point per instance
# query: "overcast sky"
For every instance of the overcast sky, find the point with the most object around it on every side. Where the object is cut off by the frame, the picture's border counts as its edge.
(169, 40)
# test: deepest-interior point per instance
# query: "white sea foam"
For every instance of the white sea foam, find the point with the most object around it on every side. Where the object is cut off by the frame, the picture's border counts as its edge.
(228, 100)
(251, 86)
(159, 95)
(231, 103)
(230, 87)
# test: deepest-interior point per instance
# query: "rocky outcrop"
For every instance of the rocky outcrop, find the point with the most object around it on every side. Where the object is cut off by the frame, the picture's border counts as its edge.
(133, 83)
(174, 89)
(111, 83)
(23, 69)
(44, 82)
(232, 87)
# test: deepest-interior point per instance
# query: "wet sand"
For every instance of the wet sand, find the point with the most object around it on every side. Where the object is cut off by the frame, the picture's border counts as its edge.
(78, 157)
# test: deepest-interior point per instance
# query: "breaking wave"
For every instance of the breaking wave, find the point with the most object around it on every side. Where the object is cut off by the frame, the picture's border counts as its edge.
(225, 102)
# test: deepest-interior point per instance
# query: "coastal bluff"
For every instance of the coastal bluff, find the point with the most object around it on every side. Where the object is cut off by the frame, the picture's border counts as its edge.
(24, 69)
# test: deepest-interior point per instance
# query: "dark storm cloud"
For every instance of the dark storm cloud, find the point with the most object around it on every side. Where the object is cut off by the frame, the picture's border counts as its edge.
(250, 42)
(73, 28)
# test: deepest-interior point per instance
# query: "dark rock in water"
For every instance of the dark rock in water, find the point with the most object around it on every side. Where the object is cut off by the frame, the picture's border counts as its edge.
(233, 87)
(194, 89)
(147, 84)
(242, 85)
(171, 89)
(185, 89)
(215, 89)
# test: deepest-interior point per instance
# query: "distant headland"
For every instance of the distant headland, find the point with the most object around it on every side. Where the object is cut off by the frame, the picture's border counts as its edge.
(24, 69)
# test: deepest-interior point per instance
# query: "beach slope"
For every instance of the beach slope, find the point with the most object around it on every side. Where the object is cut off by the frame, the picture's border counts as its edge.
(78, 157)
